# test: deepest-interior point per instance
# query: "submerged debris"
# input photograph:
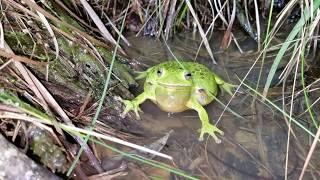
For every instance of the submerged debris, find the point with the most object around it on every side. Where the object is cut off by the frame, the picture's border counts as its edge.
(50, 154)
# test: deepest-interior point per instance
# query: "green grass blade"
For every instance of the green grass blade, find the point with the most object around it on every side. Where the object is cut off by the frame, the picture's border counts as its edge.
(297, 28)
(104, 93)
(280, 110)
(147, 161)
(306, 98)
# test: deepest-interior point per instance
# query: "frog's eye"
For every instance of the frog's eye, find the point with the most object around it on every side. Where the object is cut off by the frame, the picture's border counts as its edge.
(159, 72)
(187, 75)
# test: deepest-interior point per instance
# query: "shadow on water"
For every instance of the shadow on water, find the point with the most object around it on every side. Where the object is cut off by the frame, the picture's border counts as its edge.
(252, 148)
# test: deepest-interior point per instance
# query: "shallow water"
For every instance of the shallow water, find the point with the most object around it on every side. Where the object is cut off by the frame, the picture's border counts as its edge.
(253, 147)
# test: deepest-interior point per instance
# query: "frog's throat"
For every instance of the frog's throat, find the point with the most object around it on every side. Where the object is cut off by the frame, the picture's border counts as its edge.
(168, 85)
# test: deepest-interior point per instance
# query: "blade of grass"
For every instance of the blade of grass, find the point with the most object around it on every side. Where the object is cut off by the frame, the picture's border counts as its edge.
(147, 161)
(256, 8)
(40, 118)
(312, 148)
(105, 33)
(306, 98)
(290, 114)
(279, 20)
(296, 29)
(202, 34)
(55, 20)
(211, 26)
(182, 15)
(104, 93)
(155, 11)
(227, 35)
(170, 18)
(314, 143)
(280, 110)
(228, 109)
(48, 27)
(162, 14)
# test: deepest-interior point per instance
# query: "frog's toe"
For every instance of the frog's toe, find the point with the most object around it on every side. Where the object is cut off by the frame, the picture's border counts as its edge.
(211, 130)
(128, 107)
(228, 87)
(124, 113)
(137, 111)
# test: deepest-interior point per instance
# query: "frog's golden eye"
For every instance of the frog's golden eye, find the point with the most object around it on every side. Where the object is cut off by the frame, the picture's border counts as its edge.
(187, 75)
(159, 72)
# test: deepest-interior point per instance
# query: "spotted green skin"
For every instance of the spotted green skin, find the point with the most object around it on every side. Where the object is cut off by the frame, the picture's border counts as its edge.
(178, 86)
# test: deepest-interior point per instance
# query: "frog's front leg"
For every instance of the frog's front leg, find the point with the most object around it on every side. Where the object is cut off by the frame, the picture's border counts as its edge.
(225, 86)
(134, 104)
(207, 127)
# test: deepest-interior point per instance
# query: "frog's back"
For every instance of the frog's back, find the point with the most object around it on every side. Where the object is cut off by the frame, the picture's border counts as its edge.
(202, 76)
(194, 68)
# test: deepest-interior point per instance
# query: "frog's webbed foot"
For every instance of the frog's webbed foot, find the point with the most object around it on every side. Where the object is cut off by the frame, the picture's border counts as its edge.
(130, 105)
(207, 127)
(134, 105)
(211, 130)
(228, 87)
(225, 86)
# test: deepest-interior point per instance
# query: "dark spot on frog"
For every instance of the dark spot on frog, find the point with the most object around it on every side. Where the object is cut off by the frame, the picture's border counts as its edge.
(201, 90)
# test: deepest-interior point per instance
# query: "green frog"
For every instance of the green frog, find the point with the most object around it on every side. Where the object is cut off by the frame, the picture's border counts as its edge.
(177, 86)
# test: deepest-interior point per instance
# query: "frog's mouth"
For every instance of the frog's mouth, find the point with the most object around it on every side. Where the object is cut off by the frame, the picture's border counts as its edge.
(168, 85)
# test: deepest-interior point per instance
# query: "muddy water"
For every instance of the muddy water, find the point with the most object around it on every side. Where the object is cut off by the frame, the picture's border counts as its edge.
(253, 147)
